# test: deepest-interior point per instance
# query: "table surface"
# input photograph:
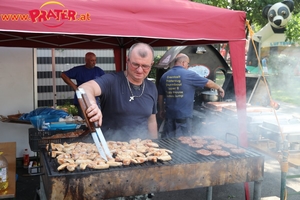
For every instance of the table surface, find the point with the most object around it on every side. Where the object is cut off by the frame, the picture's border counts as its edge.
(293, 159)
(9, 152)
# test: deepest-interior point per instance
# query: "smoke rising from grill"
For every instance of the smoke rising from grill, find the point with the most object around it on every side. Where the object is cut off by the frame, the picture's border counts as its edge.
(285, 69)
(216, 124)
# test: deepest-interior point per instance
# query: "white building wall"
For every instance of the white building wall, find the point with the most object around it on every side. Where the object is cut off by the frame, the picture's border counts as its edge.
(65, 60)
(17, 93)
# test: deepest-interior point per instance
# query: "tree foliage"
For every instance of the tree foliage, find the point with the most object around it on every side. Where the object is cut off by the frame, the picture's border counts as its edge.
(253, 9)
(293, 29)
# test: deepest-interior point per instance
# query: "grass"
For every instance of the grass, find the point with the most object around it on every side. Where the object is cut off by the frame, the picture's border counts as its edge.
(285, 89)
(284, 96)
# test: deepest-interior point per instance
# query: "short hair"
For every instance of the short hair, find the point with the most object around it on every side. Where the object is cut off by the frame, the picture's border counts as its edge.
(180, 57)
(88, 54)
(141, 52)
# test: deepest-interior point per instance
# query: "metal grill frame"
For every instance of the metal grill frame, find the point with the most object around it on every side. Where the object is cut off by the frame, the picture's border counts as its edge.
(188, 171)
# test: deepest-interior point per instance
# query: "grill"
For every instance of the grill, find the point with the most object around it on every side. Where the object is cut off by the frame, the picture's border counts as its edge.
(37, 139)
(186, 170)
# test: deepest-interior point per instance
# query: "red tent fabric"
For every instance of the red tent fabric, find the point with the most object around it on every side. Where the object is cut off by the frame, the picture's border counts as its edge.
(117, 24)
(161, 19)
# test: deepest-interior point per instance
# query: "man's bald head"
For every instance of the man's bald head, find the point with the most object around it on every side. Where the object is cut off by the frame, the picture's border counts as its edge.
(90, 60)
(182, 60)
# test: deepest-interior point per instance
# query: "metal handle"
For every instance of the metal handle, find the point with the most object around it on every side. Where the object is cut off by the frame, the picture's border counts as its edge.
(237, 138)
(83, 107)
(88, 104)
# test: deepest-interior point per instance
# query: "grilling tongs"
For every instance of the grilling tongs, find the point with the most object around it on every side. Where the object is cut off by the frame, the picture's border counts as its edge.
(93, 127)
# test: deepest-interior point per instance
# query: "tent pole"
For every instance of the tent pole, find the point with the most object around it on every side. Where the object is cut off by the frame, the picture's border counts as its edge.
(237, 50)
(122, 60)
(54, 78)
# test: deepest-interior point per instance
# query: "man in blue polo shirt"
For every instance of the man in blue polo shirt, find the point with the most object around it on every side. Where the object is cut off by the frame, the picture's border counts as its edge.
(176, 97)
(82, 74)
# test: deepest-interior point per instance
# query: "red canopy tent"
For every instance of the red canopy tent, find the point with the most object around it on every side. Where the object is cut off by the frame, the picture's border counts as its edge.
(118, 24)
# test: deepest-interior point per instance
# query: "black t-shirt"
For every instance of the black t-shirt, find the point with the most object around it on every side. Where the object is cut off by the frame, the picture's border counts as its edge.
(124, 119)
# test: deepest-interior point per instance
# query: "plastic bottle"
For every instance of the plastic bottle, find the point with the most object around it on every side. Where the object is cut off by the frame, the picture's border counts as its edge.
(3, 172)
(25, 158)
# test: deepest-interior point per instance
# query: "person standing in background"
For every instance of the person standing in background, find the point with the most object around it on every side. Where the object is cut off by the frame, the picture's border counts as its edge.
(223, 51)
(264, 63)
(82, 74)
(176, 93)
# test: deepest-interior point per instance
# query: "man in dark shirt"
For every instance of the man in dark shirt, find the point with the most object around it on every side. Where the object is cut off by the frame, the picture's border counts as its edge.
(177, 88)
(129, 99)
(82, 74)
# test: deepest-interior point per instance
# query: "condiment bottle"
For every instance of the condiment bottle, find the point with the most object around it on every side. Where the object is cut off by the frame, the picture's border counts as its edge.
(3, 172)
(26, 158)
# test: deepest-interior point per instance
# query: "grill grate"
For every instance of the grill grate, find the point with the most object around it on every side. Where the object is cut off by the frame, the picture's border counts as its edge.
(182, 154)
(37, 139)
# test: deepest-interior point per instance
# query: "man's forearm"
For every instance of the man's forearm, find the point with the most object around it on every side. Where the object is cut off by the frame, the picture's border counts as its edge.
(68, 81)
(213, 85)
(92, 90)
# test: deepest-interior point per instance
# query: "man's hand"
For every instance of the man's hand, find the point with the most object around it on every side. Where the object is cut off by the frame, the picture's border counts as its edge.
(92, 90)
(94, 114)
(213, 85)
(221, 92)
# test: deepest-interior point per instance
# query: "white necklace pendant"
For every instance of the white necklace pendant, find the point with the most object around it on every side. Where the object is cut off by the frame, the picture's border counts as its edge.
(131, 98)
